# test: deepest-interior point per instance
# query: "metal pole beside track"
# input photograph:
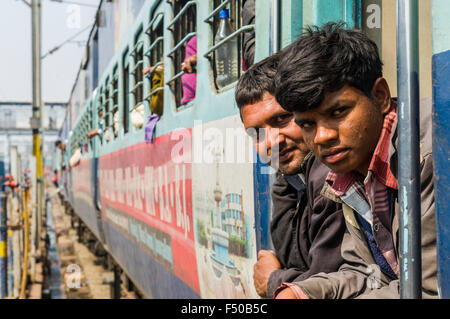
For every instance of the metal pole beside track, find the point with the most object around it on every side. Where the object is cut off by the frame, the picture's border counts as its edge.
(408, 161)
(37, 111)
(3, 246)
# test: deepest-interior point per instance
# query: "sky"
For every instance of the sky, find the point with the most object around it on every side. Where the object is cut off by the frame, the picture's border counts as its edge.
(60, 21)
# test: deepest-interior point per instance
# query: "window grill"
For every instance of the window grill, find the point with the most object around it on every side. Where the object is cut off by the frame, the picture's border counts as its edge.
(101, 121)
(82, 129)
(107, 107)
(73, 142)
(137, 53)
(85, 129)
(155, 52)
(115, 99)
(183, 28)
(126, 86)
(235, 7)
(90, 124)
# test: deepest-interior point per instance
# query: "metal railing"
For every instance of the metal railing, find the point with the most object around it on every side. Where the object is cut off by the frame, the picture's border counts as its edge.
(180, 14)
(180, 43)
(228, 38)
(208, 19)
(14, 230)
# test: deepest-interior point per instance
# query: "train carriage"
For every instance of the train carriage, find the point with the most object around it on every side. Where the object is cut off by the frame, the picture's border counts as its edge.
(184, 207)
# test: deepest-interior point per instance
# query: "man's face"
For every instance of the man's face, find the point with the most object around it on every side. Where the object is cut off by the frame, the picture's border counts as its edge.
(344, 130)
(278, 140)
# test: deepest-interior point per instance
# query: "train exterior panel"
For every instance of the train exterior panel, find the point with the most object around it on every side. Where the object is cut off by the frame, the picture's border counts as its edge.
(82, 195)
(441, 138)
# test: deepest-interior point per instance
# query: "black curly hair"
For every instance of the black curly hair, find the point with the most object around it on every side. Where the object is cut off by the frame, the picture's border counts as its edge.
(324, 60)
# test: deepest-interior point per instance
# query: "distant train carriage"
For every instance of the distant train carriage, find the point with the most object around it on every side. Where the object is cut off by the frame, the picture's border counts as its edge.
(183, 205)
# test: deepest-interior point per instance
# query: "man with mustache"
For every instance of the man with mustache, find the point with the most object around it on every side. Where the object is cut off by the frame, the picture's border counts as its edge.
(306, 228)
(331, 79)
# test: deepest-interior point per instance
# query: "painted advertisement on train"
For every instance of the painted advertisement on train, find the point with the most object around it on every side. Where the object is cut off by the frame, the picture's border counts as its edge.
(187, 201)
(147, 197)
(224, 209)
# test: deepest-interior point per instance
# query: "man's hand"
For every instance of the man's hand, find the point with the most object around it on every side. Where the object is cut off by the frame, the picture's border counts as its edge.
(189, 64)
(266, 264)
(286, 293)
(92, 133)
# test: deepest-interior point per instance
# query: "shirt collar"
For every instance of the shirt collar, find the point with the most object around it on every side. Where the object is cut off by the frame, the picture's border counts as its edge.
(379, 165)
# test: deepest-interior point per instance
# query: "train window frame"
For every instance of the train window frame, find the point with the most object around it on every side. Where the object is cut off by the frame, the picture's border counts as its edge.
(235, 7)
(125, 87)
(73, 141)
(154, 60)
(90, 125)
(137, 57)
(107, 108)
(179, 42)
(99, 107)
(83, 131)
(114, 98)
(86, 128)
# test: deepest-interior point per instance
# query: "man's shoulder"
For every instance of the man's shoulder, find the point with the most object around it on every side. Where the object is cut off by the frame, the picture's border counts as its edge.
(315, 173)
(282, 189)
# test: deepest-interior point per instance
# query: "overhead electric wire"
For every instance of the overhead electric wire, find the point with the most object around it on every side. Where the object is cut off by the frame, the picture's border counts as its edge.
(66, 41)
(73, 2)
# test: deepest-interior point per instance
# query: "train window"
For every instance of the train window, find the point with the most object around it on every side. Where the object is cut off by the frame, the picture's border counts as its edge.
(73, 141)
(183, 27)
(228, 71)
(90, 125)
(85, 130)
(100, 113)
(107, 111)
(80, 133)
(82, 129)
(115, 101)
(126, 86)
(155, 56)
(137, 91)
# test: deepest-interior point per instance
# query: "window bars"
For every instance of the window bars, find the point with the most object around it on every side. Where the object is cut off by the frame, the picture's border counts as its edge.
(183, 28)
(137, 53)
(106, 107)
(99, 107)
(155, 52)
(236, 22)
(114, 99)
(126, 85)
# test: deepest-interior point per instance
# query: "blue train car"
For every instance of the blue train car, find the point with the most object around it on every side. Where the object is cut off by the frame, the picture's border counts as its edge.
(184, 208)
(441, 138)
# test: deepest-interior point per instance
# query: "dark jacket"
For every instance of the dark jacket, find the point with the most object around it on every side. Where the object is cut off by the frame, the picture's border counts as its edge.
(306, 228)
